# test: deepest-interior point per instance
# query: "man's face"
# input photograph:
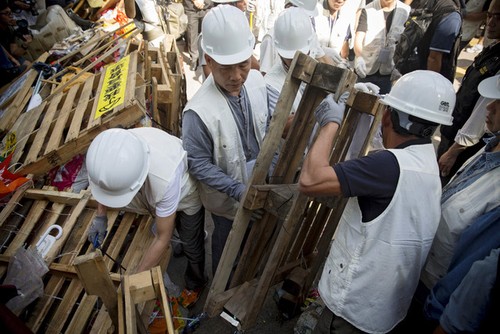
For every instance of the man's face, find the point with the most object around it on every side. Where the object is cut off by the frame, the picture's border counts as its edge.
(6, 17)
(229, 77)
(242, 5)
(335, 5)
(493, 20)
(493, 115)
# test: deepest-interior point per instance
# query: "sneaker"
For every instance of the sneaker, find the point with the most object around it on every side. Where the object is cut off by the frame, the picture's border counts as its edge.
(475, 49)
(188, 298)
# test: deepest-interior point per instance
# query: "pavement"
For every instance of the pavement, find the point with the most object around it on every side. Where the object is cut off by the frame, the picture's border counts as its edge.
(269, 320)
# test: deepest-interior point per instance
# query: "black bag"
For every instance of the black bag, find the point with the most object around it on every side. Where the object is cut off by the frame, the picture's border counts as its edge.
(406, 57)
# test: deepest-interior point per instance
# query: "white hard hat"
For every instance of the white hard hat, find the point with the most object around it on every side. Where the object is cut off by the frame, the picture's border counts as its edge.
(423, 94)
(292, 31)
(117, 163)
(490, 87)
(310, 6)
(226, 35)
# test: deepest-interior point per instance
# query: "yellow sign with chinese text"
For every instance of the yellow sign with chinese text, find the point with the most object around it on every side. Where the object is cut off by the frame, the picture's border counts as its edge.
(113, 88)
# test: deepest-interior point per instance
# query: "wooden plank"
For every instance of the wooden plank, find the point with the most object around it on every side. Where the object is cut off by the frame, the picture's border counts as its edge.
(165, 94)
(141, 287)
(130, 320)
(125, 119)
(13, 202)
(19, 103)
(56, 137)
(94, 276)
(24, 128)
(65, 307)
(81, 108)
(160, 290)
(41, 134)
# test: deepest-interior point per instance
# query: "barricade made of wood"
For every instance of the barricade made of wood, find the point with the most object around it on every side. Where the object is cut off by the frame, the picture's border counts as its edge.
(65, 307)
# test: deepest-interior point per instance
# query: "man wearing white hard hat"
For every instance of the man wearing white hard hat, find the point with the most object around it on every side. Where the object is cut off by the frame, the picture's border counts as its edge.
(241, 5)
(471, 193)
(145, 170)
(387, 227)
(293, 32)
(268, 54)
(224, 124)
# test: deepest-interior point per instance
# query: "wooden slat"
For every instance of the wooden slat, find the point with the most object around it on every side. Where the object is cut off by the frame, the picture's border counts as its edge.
(83, 102)
(56, 137)
(41, 134)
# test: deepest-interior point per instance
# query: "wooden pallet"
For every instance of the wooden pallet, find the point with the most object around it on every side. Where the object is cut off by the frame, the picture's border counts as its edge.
(65, 307)
(168, 86)
(295, 231)
(64, 126)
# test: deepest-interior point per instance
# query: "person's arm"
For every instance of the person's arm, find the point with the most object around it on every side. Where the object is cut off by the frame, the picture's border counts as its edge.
(164, 229)
(447, 160)
(129, 8)
(317, 177)
(198, 144)
(434, 61)
(358, 43)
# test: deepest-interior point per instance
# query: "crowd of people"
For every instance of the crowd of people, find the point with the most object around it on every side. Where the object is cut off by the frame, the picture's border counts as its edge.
(417, 247)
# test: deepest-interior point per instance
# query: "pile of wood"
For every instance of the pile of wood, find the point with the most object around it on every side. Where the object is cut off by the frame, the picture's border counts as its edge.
(137, 86)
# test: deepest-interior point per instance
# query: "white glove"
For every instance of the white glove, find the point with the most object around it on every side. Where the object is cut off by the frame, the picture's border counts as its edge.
(360, 67)
(331, 111)
(367, 87)
(332, 53)
(97, 231)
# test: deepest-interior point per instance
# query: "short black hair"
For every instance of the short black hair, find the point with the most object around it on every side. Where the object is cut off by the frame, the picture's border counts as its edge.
(417, 126)
(3, 4)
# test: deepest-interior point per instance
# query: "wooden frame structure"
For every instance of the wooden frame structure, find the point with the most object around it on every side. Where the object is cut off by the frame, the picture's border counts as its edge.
(65, 307)
(295, 231)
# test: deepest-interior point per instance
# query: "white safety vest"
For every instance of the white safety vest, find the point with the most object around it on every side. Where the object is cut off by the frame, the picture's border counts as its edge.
(373, 268)
(210, 104)
(458, 213)
(377, 37)
(276, 78)
(335, 37)
(166, 155)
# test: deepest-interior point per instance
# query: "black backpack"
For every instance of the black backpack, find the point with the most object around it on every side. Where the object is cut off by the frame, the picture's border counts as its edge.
(406, 56)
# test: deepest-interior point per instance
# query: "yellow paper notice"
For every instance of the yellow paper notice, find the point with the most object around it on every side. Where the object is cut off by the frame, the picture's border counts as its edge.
(113, 89)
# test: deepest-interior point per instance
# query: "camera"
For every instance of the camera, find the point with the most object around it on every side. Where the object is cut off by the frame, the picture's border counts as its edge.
(22, 29)
(32, 4)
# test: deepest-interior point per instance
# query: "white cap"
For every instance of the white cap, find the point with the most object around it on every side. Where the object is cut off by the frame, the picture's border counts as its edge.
(490, 87)
(226, 35)
(118, 164)
(292, 32)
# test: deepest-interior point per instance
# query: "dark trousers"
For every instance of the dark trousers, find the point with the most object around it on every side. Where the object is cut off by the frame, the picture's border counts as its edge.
(192, 32)
(222, 227)
(329, 323)
(192, 234)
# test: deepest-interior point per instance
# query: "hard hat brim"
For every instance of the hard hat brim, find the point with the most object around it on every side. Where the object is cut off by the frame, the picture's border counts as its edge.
(112, 200)
(229, 59)
(490, 87)
(289, 54)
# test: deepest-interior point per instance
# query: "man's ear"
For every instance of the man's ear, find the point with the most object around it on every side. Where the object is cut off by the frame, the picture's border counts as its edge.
(209, 60)
(386, 118)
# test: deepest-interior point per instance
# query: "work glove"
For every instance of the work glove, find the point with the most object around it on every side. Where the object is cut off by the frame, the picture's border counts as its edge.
(331, 111)
(360, 67)
(97, 231)
(257, 215)
(367, 87)
(332, 53)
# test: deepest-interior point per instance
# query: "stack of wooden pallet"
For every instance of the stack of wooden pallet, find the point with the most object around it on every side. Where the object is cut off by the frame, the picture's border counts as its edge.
(71, 114)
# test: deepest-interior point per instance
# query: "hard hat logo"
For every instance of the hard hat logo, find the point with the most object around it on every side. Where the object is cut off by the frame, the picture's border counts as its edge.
(444, 106)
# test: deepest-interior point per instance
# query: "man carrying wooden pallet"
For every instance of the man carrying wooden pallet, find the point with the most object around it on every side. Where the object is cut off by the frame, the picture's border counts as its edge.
(225, 122)
(145, 170)
(387, 227)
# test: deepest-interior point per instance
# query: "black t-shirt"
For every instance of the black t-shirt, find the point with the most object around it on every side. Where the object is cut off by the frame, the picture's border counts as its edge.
(7, 38)
(373, 179)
